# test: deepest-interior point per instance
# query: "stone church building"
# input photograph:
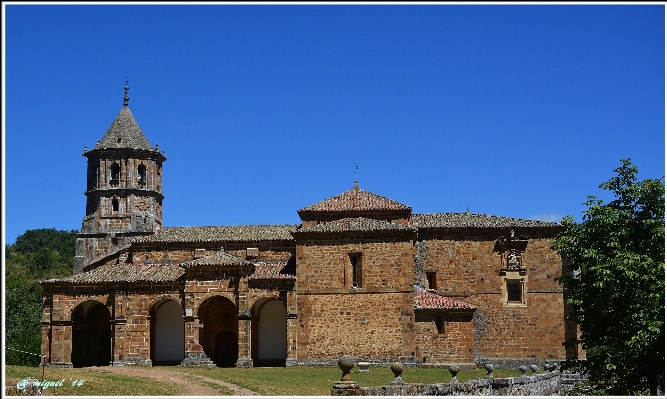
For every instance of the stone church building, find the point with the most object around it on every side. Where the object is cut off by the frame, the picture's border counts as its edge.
(361, 275)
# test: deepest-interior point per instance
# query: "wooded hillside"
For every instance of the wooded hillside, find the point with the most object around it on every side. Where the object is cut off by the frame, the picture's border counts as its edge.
(36, 255)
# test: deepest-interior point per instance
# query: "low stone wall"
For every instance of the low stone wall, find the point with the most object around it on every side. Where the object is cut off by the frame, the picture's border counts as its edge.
(535, 385)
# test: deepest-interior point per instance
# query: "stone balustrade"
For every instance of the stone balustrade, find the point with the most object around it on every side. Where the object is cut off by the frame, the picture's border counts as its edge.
(545, 384)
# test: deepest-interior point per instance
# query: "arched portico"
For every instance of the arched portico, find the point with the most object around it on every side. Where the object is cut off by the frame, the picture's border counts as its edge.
(91, 335)
(219, 336)
(167, 333)
(269, 333)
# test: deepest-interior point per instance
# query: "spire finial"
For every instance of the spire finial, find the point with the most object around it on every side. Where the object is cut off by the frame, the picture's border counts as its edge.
(126, 100)
(356, 178)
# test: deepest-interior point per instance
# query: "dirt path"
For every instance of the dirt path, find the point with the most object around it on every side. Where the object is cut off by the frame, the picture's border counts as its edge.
(190, 383)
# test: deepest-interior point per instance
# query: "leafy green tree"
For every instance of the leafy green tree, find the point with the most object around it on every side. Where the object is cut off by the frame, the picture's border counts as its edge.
(37, 255)
(617, 293)
(23, 331)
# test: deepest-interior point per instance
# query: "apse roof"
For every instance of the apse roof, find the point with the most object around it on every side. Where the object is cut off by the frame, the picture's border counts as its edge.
(356, 199)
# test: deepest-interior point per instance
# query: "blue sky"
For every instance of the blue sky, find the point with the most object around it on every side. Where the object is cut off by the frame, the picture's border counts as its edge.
(509, 110)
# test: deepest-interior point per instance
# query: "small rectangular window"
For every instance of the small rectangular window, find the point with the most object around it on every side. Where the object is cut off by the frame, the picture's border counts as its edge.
(441, 325)
(431, 281)
(514, 291)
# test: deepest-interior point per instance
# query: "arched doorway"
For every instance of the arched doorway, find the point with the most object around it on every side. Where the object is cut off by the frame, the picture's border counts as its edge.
(91, 335)
(269, 333)
(167, 334)
(226, 349)
(219, 336)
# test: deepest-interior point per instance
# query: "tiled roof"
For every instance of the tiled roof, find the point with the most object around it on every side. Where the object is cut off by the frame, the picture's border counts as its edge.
(475, 220)
(125, 128)
(353, 224)
(431, 300)
(355, 199)
(221, 233)
(220, 258)
(126, 273)
(273, 270)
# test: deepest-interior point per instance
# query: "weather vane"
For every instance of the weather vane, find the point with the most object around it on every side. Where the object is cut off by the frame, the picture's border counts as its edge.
(126, 100)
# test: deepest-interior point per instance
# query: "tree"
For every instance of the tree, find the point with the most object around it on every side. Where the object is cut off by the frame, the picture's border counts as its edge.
(23, 327)
(617, 295)
(36, 255)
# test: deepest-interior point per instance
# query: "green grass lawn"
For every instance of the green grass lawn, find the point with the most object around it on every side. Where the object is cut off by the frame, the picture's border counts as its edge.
(95, 382)
(278, 381)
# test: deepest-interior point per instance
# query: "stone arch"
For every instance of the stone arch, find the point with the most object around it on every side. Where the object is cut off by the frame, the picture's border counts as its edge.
(265, 297)
(162, 298)
(91, 335)
(198, 303)
(69, 310)
(269, 332)
(167, 333)
(219, 336)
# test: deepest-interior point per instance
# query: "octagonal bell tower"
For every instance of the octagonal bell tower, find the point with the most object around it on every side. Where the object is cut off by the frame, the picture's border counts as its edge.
(124, 191)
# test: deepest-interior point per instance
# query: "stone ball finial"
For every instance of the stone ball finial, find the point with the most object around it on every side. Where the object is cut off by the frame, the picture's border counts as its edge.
(523, 370)
(533, 368)
(397, 369)
(547, 366)
(489, 370)
(346, 363)
(454, 370)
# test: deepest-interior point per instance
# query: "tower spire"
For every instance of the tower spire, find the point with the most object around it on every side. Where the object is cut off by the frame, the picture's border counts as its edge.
(126, 99)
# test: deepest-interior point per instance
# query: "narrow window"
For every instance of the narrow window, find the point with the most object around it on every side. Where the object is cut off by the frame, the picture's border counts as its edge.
(115, 173)
(114, 204)
(441, 325)
(514, 291)
(141, 175)
(431, 281)
(355, 261)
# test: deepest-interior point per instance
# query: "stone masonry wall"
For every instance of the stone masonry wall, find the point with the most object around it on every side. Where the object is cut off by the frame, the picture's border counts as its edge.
(374, 321)
(325, 265)
(454, 344)
(184, 252)
(467, 266)
(377, 327)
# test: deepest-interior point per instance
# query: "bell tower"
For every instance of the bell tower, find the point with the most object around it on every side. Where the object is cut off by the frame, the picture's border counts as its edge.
(123, 191)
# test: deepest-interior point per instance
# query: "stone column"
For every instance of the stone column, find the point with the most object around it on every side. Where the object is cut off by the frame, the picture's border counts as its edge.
(118, 343)
(61, 344)
(245, 356)
(291, 339)
(292, 329)
(46, 342)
